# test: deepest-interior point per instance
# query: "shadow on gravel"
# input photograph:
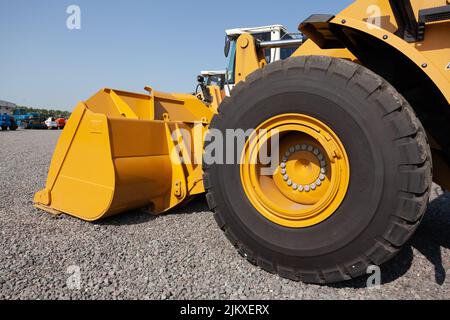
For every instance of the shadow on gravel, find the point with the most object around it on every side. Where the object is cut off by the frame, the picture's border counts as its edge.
(198, 204)
(429, 239)
(433, 235)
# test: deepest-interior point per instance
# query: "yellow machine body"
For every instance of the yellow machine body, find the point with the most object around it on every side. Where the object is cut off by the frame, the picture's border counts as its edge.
(118, 148)
(375, 20)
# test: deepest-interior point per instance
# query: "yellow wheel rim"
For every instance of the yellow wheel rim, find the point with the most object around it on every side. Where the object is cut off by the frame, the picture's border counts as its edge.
(311, 178)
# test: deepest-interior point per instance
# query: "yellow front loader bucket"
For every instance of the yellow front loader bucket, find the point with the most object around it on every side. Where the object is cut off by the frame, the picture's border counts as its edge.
(117, 151)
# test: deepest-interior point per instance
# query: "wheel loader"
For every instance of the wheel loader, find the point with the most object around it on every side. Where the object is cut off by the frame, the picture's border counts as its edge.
(360, 112)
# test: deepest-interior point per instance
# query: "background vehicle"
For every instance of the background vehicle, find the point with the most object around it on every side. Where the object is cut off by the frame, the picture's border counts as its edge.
(61, 123)
(361, 113)
(51, 123)
(29, 120)
(36, 123)
(23, 116)
(7, 122)
(214, 78)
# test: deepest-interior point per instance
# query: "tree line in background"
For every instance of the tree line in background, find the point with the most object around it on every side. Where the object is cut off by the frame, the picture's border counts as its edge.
(45, 113)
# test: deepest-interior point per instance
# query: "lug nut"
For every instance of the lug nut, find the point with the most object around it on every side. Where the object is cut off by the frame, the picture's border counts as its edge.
(320, 157)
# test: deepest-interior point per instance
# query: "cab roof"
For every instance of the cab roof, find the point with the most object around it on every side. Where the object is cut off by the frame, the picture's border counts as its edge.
(239, 31)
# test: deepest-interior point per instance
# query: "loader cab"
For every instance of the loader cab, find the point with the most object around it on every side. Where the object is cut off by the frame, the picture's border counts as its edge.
(266, 33)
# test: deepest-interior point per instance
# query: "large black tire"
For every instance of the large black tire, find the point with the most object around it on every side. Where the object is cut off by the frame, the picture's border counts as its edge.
(390, 164)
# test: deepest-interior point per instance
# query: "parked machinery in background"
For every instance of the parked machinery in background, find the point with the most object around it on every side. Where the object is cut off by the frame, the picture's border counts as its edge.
(61, 123)
(22, 116)
(55, 124)
(35, 120)
(35, 123)
(7, 122)
(51, 123)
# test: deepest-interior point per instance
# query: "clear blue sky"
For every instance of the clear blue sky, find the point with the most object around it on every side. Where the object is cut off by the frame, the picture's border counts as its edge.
(124, 44)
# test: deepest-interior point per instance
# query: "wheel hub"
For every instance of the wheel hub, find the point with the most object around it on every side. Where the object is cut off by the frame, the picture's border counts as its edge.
(307, 175)
(312, 177)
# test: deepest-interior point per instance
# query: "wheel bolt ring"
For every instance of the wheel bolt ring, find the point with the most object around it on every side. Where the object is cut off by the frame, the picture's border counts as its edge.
(320, 158)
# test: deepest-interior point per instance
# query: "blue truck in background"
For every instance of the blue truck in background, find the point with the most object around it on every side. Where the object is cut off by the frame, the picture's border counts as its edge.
(29, 120)
(7, 122)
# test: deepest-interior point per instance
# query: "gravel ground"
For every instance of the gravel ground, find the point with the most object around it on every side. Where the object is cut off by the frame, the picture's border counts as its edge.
(182, 255)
